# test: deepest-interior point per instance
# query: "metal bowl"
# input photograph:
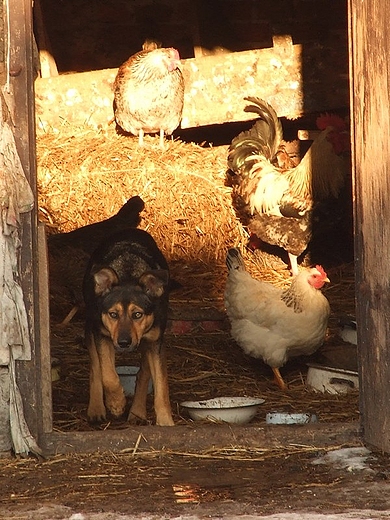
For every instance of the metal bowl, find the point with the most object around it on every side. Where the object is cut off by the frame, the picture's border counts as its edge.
(127, 376)
(232, 410)
(290, 418)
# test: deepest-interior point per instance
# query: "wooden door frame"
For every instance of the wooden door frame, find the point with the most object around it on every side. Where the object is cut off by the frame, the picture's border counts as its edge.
(370, 112)
(19, 94)
(34, 377)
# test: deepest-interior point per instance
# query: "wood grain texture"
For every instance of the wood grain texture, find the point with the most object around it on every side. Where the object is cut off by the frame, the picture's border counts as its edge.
(370, 82)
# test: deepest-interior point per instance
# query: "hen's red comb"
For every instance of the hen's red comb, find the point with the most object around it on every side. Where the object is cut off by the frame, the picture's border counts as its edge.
(321, 270)
(325, 120)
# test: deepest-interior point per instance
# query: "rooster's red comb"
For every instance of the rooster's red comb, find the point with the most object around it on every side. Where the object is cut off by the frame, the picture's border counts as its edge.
(325, 120)
(321, 270)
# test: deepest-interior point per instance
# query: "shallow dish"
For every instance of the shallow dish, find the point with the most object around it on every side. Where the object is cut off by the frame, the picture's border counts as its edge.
(290, 418)
(233, 410)
(127, 376)
(332, 380)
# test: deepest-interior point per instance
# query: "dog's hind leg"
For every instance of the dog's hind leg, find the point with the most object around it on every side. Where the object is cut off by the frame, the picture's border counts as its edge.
(158, 366)
(138, 407)
(96, 409)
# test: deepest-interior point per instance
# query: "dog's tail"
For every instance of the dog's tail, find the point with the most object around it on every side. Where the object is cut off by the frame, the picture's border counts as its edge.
(129, 213)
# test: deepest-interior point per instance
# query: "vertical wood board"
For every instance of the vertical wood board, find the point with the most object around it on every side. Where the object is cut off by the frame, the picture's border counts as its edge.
(44, 326)
(20, 96)
(370, 82)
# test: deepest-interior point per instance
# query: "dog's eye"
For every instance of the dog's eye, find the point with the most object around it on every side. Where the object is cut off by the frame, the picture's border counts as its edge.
(137, 315)
(113, 315)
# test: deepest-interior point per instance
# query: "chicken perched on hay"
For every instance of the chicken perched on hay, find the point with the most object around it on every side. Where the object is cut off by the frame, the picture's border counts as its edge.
(149, 93)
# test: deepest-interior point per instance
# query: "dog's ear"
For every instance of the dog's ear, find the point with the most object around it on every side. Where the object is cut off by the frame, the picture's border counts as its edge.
(104, 279)
(155, 282)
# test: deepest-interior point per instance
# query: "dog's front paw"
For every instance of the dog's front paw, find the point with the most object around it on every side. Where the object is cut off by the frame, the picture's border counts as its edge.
(165, 421)
(116, 403)
(96, 414)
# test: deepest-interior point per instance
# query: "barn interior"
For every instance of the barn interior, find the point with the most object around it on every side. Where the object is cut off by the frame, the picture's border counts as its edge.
(86, 174)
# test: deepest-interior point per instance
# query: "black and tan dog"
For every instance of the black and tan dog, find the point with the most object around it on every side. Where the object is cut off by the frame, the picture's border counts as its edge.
(126, 288)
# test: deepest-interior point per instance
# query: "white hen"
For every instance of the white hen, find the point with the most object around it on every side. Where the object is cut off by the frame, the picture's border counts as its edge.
(149, 92)
(272, 323)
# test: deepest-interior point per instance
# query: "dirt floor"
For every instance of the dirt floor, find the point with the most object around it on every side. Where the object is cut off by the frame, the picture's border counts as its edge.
(208, 363)
(171, 486)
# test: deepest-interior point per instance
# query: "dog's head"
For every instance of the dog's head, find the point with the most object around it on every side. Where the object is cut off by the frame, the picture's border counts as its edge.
(128, 311)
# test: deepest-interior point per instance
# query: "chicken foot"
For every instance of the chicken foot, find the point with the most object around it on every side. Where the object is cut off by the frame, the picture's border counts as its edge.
(162, 145)
(140, 137)
(294, 264)
(279, 379)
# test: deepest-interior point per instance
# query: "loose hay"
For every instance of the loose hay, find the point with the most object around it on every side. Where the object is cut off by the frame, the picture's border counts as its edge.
(87, 177)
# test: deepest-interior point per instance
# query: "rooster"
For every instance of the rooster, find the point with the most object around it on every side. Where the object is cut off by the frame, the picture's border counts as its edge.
(149, 92)
(274, 197)
(272, 323)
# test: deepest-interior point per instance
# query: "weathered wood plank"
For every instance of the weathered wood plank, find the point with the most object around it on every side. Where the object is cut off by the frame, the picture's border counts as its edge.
(44, 327)
(20, 98)
(196, 439)
(370, 47)
(289, 77)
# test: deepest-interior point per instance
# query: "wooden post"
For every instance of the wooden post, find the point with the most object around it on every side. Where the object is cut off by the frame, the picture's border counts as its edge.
(20, 97)
(370, 83)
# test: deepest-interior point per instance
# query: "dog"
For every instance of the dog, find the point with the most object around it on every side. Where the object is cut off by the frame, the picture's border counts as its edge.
(126, 293)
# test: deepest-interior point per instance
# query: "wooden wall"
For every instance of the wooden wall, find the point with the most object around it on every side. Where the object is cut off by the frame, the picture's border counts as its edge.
(88, 35)
(370, 85)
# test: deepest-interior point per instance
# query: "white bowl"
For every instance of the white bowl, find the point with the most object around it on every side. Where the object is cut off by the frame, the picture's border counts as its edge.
(233, 410)
(332, 380)
(127, 376)
(290, 418)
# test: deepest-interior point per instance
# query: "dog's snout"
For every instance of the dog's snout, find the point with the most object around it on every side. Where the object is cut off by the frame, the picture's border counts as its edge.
(124, 343)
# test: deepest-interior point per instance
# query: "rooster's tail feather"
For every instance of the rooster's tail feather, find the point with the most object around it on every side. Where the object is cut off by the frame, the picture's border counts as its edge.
(263, 138)
(234, 260)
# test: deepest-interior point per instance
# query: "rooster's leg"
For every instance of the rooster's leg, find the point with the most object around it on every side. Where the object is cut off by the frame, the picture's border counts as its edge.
(140, 137)
(162, 138)
(279, 379)
(294, 264)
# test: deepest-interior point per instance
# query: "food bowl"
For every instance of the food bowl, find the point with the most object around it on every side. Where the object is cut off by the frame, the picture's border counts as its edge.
(127, 376)
(332, 380)
(290, 418)
(233, 410)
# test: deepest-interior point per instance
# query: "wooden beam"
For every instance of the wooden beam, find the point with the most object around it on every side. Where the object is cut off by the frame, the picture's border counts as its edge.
(199, 438)
(288, 76)
(370, 81)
